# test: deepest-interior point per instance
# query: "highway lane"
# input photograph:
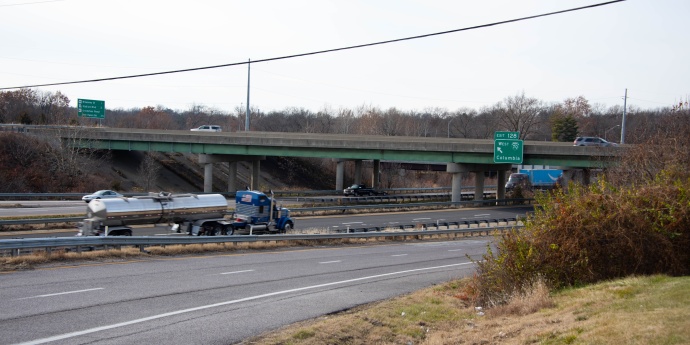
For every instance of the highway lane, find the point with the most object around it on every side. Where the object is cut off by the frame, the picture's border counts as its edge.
(216, 299)
(26, 208)
(331, 223)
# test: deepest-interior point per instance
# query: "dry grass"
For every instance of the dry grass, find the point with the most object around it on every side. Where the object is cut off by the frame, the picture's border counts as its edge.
(642, 310)
(61, 256)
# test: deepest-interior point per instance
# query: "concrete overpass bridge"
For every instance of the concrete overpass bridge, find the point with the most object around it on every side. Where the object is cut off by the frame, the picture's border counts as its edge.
(459, 155)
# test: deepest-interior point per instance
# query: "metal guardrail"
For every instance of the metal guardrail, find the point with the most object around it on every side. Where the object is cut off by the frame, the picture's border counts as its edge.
(343, 208)
(40, 221)
(79, 243)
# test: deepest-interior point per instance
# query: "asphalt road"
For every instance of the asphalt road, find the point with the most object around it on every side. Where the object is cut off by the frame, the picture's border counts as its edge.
(216, 299)
(40, 208)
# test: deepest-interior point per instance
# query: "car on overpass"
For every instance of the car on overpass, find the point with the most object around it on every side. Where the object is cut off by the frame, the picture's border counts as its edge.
(593, 141)
(207, 128)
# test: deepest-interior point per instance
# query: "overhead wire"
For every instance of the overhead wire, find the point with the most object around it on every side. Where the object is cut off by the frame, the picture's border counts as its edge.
(321, 51)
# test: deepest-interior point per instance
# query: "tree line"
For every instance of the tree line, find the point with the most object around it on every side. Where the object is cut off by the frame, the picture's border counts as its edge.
(533, 118)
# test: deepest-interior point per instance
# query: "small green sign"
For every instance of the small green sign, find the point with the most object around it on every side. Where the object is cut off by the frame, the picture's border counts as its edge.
(508, 148)
(507, 135)
(91, 108)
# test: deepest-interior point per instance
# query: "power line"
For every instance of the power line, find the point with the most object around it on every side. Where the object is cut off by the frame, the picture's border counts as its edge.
(29, 3)
(321, 51)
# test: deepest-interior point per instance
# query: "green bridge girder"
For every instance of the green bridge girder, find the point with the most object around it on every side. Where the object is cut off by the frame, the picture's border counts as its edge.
(349, 147)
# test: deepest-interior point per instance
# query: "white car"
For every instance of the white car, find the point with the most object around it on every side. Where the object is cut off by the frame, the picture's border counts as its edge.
(102, 194)
(207, 128)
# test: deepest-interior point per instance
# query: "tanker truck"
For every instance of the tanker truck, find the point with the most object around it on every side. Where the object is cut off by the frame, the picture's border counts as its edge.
(202, 214)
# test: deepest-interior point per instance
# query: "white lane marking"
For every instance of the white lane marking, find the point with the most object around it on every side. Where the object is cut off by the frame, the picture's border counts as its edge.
(209, 306)
(399, 255)
(330, 262)
(482, 215)
(62, 293)
(454, 250)
(352, 223)
(421, 218)
(238, 272)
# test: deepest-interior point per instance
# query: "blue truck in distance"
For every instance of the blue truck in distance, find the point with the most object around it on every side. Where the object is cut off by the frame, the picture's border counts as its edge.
(256, 211)
(534, 179)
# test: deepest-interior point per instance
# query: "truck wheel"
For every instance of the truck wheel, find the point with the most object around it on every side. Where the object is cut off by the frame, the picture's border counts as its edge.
(371, 193)
(229, 230)
(288, 227)
(217, 230)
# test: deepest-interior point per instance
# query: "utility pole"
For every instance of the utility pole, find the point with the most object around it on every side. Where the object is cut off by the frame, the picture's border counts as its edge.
(246, 120)
(625, 104)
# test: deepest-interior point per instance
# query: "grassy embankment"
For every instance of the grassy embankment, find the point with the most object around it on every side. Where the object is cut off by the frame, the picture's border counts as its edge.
(636, 310)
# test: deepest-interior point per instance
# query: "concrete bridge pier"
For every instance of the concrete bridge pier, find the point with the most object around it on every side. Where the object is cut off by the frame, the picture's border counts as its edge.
(501, 184)
(254, 181)
(209, 159)
(358, 171)
(457, 169)
(232, 177)
(339, 175)
(581, 175)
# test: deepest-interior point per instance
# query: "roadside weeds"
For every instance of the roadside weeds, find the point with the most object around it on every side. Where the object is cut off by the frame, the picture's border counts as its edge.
(636, 310)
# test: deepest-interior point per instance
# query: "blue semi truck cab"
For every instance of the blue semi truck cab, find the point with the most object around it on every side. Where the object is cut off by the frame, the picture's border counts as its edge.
(256, 211)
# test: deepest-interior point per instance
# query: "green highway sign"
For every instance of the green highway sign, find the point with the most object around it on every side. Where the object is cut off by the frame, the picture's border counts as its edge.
(91, 108)
(506, 135)
(508, 148)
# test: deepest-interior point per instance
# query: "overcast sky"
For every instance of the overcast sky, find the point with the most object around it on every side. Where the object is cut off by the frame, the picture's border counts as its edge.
(641, 45)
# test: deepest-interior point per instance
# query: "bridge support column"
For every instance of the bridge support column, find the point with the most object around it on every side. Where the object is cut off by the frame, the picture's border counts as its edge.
(339, 175)
(478, 169)
(208, 177)
(501, 187)
(479, 185)
(456, 188)
(358, 171)
(578, 175)
(232, 177)
(254, 183)
(207, 160)
(376, 174)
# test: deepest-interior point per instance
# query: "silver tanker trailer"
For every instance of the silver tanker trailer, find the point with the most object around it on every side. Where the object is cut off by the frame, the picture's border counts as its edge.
(202, 214)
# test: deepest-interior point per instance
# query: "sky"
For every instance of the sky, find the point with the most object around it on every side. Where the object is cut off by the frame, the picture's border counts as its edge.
(597, 53)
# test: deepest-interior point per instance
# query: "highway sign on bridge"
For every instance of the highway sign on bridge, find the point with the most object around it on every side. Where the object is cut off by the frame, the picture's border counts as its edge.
(91, 108)
(508, 148)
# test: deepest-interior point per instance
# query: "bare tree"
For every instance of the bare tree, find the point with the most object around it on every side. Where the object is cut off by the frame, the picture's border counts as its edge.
(486, 123)
(345, 121)
(54, 107)
(460, 123)
(520, 114)
(149, 170)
